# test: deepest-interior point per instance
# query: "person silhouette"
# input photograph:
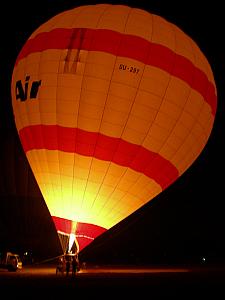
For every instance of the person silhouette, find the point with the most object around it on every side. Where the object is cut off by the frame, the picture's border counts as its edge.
(67, 267)
(74, 266)
(60, 266)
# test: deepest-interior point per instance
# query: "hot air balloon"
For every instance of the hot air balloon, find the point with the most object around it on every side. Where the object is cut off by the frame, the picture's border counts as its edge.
(112, 104)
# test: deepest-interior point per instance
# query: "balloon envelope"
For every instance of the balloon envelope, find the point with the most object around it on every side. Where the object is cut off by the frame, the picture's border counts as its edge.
(112, 104)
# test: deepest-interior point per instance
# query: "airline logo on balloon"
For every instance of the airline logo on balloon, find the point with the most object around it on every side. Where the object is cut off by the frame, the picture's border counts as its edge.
(27, 89)
(30, 89)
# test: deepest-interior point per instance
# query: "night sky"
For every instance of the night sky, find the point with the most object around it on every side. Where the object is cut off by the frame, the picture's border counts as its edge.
(184, 223)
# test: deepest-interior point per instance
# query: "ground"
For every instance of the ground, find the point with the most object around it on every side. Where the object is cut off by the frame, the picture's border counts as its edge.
(105, 282)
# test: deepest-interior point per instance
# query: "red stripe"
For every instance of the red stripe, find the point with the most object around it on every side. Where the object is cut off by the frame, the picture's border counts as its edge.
(120, 152)
(85, 232)
(63, 225)
(125, 45)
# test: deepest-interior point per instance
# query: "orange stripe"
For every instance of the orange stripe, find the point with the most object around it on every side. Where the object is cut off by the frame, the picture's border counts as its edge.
(125, 45)
(123, 153)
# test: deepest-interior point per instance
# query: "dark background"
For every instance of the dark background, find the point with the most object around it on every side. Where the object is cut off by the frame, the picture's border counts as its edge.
(184, 223)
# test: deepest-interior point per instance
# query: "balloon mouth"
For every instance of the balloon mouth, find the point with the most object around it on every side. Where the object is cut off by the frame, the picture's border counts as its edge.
(75, 236)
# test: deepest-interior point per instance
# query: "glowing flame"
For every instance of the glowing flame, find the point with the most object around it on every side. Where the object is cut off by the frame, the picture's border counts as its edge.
(71, 240)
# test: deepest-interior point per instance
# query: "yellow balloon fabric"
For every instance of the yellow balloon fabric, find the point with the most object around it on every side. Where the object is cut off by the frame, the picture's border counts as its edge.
(112, 104)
